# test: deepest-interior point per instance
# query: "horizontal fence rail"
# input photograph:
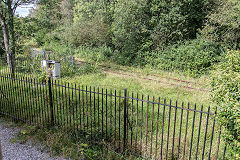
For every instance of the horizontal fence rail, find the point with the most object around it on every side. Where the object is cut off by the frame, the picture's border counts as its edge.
(146, 126)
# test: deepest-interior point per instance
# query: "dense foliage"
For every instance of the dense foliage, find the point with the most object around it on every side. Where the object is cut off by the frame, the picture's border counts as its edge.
(195, 57)
(189, 36)
(223, 25)
(169, 35)
(226, 93)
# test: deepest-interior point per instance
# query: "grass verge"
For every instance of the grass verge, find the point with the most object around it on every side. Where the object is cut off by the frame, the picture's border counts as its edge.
(65, 143)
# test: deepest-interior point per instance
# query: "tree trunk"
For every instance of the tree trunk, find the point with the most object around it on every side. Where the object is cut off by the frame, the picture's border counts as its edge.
(8, 35)
(11, 34)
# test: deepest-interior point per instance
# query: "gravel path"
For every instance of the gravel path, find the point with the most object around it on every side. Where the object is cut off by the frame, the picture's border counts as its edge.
(16, 151)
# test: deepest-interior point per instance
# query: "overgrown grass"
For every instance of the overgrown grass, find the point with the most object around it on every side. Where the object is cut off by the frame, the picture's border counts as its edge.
(97, 114)
(64, 143)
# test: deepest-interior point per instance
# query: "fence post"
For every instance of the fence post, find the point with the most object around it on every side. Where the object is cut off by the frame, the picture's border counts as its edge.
(125, 120)
(51, 100)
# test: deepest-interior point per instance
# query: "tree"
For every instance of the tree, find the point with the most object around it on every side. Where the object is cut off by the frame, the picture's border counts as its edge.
(7, 11)
(223, 24)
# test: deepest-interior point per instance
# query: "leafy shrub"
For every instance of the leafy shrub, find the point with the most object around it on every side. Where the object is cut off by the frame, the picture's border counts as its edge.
(88, 33)
(195, 56)
(226, 94)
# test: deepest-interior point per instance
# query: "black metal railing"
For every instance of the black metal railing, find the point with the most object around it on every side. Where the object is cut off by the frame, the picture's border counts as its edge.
(146, 126)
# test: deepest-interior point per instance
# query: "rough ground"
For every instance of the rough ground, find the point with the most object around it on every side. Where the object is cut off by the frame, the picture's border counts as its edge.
(17, 151)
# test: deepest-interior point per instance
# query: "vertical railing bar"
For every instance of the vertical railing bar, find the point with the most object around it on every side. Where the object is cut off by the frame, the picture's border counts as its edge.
(20, 97)
(28, 101)
(219, 137)
(94, 106)
(164, 106)
(224, 152)
(60, 105)
(1, 95)
(39, 103)
(55, 103)
(86, 102)
(102, 114)
(136, 125)
(42, 104)
(91, 110)
(98, 112)
(75, 124)
(63, 103)
(32, 101)
(119, 122)
(54, 97)
(152, 127)
(205, 134)
(44, 101)
(132, 122)
(14, 98)
(25, 99)
(13, 92)
(210, 148)
(12, 106)
(79, 99)
(50, 100)
(185, 137)
(194, 115)
(65, 108)
(156, 145)
(6, 96)
(70, 105)
(9, 97)
(199, 131)
(36, 102)
(141, 127)
(106, 116)
(48, 107)
(169, 121)
(83, 110)
(125, 120)
(14, 95)
(115, 105)
(111, 124)
(174, 129)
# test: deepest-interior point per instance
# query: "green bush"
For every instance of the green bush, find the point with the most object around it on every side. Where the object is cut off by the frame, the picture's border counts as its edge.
(195, 57)
(88, 33)
(226, 94)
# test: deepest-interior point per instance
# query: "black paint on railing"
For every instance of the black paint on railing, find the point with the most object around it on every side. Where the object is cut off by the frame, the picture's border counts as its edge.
(151, 128)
